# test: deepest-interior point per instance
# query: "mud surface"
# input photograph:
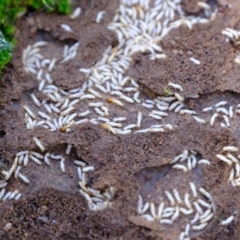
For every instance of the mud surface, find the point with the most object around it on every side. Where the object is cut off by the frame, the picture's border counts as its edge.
(51, 207)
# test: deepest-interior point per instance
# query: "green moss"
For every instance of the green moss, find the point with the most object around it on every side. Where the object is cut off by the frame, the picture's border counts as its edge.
(5, 51)
(10, 10)
(167, 91)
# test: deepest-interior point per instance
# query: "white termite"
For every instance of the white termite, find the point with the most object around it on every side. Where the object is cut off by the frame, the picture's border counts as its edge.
(36, 101)
(226, 119)
(130, 126)
(39, 44)
(221, 103)
(79, 170)
(204, 204)
(87, 96)
(180, 167)
(105, 109)
(213, 118)
(18, 196)
(36, 154)
(95, 104)
(20, 160)
(186, 211)
(237, 168)
(155, 116)
(199, 120)
(76, 13)
(88, 168)
(195, 219)
(194, 190)
(204, 161)
(206, 213)
(206, 109)
(52, 64)
(223, 110)
(46, 158)
(17, 171)
(199, 227)
(127, 99)
(95, 93)
(3, 183)
(231, 112)
(67, 111)
(227, 221)
(98, 111)
(39, 144)
(80, 163)
(114, 124)
(56, 157)
(69, 147)
(232, 158)
(45, 62)
(7, 195)
(81, 121)
(176, 195)
(49, 110)
(2, 193)
(103, 119)
(62, 165)
(176, 214)
(186, 201)
(119, 119)
(208, 195)
(24, 178)
(21, 153)
(130, 89)
(139, 119)
(160, 113)
(147, 105)
(174, 105)
(25, 160)
(224, 159)
(179, 97)
(135, 97)
(187, 111)
(29, 111)
(14, 193)
(152, 210)
(66, 28)
(123, 131)
(194, 60)
(148, 217)
(43, 115)
(100, 16)
(204, 5)
(86, 196)
(176, 86)
(166, 221)
(83, 114)
(36, 160)
(170, 198)
(230, 149)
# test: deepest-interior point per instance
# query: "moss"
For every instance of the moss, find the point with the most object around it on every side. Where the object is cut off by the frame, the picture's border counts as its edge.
(5, 51)
(167, 91)
(10, 10)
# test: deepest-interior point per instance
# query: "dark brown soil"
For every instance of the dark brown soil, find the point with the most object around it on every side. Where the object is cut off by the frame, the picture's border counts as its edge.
(137, 164)
(204, 42)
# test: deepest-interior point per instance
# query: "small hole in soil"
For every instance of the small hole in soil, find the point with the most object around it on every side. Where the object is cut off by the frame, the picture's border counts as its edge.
(2, 134)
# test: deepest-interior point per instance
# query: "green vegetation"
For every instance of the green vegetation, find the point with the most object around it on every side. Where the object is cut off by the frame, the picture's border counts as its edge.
(167, 91)
(10, 10)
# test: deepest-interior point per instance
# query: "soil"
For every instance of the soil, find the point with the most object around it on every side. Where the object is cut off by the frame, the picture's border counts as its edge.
(136, 164)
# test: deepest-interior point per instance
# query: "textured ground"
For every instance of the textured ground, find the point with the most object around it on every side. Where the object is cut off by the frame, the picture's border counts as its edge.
(51, 206)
